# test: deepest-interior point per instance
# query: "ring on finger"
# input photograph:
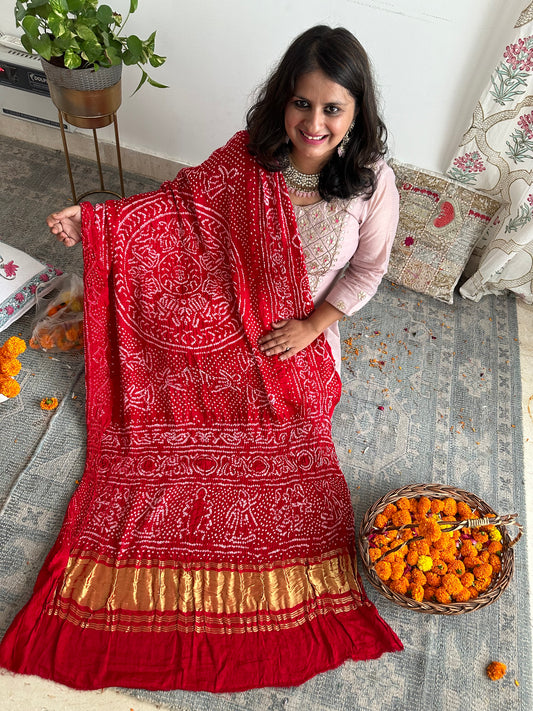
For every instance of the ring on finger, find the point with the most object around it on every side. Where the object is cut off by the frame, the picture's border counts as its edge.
(287, 349)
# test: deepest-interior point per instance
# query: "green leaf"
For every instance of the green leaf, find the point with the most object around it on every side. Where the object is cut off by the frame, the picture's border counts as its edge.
(129, 59)
(92, 51)
(105, 15)
(59, 6)
(156, 60)
(133, 7)
(144, 77)
(114, 56)
(72, 60)
(31, 26)
(157, 84)
(150, 42)
(43, 46)
(134, 45)
(75, 6)
(26, 43)
(57, 25)
(20, 12)
(86, 33)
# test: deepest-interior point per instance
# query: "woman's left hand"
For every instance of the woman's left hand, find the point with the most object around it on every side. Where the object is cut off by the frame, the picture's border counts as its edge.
(287, 338)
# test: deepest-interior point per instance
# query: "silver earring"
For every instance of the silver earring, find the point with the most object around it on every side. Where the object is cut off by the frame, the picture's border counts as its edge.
(341, 148)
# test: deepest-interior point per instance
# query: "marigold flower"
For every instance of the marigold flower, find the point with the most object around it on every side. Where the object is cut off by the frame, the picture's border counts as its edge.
(418, 577)
(430, 529)
(424, 505)
(389, 510)
(381, 521)
(437, 505)
(467, 580)
(13, 347)
(457, 567)
(399, 586)
(481, 584)
(417, 592)
(424, 563)
(429, 593)
(483, 557)
(444, 542)
(452, 583)
(434, 579)
(421, 547)
(442, 596)
(470, 562)
(440, 568)
(494, 534)
(495, 547)
(464, 510)
(8, 386)
(450, 507)
(397, 570)
(412, 558)
(380, 540)
(462, 596)
(407, 534)
(49, 403)
(383, 570)
(468, 549)
(9, 366)
(496, 563)
(496, 670)
(413, 505)
(374, 553)
(403, 504)
(473, 592)
(448, 555)
(480, 536)
(391, 557)
(401, 518)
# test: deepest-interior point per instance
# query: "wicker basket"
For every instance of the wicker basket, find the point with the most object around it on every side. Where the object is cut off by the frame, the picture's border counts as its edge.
(440, 491)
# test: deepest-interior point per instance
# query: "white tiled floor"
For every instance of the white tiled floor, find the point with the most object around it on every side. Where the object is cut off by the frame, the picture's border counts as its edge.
(34, 694)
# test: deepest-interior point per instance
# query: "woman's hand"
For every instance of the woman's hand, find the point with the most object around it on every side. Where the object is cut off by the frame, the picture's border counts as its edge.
(288, 338)
(66, 225)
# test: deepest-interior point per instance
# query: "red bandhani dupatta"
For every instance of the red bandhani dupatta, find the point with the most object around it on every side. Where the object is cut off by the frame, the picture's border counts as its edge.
(210, 544)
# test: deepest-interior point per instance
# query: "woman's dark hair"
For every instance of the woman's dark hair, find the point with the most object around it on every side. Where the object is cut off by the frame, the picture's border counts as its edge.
(337, 53)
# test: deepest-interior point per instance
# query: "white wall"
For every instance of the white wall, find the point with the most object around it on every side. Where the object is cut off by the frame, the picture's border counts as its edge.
(431, 58)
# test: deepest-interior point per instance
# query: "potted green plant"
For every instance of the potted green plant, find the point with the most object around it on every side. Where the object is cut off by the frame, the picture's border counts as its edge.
(83, 46)
(79, 34)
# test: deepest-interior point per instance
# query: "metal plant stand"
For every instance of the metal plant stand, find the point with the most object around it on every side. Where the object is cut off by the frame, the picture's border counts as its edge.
(75, 197)
(87, 99)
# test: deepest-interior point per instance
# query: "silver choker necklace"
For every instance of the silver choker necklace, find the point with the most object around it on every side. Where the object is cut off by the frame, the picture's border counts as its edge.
(301, 184)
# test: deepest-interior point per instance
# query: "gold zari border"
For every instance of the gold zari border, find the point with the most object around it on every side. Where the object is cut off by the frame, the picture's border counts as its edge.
(103, 594)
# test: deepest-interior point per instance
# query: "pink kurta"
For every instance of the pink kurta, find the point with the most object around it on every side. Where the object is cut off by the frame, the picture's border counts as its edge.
(347, 244)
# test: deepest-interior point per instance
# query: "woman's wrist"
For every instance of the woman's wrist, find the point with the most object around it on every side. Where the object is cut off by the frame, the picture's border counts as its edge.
(323, 316)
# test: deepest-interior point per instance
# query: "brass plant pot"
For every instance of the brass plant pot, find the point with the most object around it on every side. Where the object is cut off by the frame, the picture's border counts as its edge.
(87, 98)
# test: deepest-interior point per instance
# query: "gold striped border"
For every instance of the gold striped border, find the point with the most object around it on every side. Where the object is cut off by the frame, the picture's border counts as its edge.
(100, 593)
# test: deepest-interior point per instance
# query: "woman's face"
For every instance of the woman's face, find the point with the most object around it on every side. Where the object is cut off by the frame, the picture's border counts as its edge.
(316, 120)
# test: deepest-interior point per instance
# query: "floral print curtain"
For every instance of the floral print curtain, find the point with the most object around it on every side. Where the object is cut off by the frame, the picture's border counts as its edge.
(495, 156)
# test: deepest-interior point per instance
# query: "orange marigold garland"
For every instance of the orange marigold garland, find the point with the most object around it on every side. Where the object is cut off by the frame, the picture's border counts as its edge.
(10, 366)
(441, 566)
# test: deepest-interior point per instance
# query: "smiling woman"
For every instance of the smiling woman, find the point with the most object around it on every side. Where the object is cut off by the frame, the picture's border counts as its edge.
(317, 118)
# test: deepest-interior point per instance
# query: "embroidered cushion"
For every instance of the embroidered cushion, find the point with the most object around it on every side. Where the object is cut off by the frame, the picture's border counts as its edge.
(440, 223)
(20, 276)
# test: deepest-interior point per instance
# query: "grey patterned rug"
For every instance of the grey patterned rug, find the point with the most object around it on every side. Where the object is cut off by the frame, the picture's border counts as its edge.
(431, 393)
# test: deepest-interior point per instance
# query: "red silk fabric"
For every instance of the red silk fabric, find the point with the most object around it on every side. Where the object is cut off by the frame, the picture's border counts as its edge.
(210, 544)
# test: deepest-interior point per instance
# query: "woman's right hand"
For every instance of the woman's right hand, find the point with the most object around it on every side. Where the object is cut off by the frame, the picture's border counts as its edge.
(66, 225)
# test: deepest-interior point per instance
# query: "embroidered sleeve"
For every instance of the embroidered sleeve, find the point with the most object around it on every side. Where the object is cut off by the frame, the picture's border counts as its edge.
(369, 263)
